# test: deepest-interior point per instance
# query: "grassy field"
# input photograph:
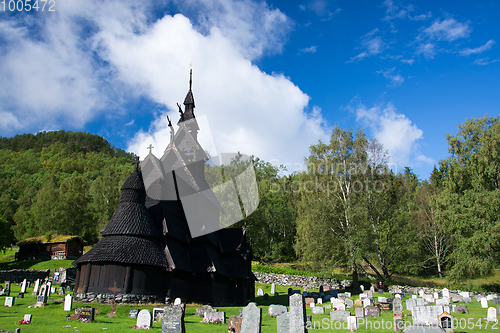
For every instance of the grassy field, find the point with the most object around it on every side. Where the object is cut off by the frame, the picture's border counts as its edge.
(52, 318)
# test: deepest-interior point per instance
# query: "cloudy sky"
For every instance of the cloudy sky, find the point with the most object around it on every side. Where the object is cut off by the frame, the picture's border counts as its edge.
(269, 78)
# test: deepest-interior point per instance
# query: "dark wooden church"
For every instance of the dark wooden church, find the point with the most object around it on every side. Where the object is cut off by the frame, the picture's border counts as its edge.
(147, 247)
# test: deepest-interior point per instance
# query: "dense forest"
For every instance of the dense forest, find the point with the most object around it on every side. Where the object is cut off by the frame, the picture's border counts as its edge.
(347, 210)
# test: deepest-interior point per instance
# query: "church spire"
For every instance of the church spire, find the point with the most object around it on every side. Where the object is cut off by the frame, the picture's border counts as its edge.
(189, 100)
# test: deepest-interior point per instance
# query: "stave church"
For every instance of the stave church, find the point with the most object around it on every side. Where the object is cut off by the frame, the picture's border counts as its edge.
(147, 248)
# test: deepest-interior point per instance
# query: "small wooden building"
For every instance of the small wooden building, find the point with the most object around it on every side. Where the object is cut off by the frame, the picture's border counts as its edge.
(58, 247)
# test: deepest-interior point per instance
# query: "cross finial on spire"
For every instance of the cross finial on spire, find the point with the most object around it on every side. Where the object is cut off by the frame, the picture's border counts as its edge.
(150, 148)
(190, 78)
(136, 162)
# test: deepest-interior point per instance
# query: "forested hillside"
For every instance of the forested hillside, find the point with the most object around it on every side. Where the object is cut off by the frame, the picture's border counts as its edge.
(347, 210)
(59, 182)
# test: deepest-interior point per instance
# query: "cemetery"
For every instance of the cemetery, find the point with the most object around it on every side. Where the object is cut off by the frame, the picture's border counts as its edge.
(285, 311)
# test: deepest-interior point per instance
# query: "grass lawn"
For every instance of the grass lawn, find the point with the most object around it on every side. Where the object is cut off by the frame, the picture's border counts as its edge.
(52, 318)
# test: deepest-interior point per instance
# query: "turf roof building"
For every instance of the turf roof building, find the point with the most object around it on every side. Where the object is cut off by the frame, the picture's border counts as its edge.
(147, 247)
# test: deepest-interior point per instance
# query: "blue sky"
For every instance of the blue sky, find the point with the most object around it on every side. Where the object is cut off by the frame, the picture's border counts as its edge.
(269, 78)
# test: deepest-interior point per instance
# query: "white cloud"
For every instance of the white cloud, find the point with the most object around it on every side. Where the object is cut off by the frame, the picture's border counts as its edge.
(477, 50)
(372, 44)
(396, 78)
(408, 61)
(420, 17)
(448, 29)
(427, 49)
(311, 49)
(395, 131)
(485, 61)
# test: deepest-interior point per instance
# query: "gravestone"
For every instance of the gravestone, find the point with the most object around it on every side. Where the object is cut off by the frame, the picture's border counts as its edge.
(144, 319)
(319, 301)
(362, 288)
(318, 310)
(52, 290)
(326, 288)
(464, 294)
(456, 298)
(266, 296)
(436, 295)
(426, 315)
(372, 311)
(421, 292)
(327, 306)
(252, 318)
(466, 299)
(462, 308)
(410, 304)
(9, 301)
(158, 315)
(446, 293)
(283, 323)
(28, 317)
(23, 286)
(492, 315)
(445, 321)
(484, 303)
(273, 289)
(37, 286)
(20, 295)
(85, 313)
(42, 296)
(382, 299)
(220, 315)
(60, 291)
(358, 303)
(304, 293)
(349, 303)
(205, 308)
(352, 323)
(68, 302)
(297, 314)
(334, 293)
(133, 313)
(275, 310)
(177, 301)
(366, 302)
(234, 324)
(260, 292)
(496, 300)
(6, 290)
(173, 319)
(312, 305)
(397, 308)
(384, 307)
(359, 312)
(290, 291)
(339, 315)
(309, 300)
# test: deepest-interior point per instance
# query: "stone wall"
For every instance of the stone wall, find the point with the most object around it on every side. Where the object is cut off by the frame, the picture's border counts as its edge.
(310, 282)
(18, 275)
(120, 298)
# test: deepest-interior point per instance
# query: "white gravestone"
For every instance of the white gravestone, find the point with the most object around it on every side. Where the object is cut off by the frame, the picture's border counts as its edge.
(273, 289)
(312, 305)
(352, 323)
(177, 301)
(9, 301)
(260, 292)
(68, 302)
(492, 315)
(319, 301)
(366, 302)
(37, 285)
(484, 303)
(446, 293)
(144, 319)
(28, 317)
(23, 286)
(421, 293)
(436, 295)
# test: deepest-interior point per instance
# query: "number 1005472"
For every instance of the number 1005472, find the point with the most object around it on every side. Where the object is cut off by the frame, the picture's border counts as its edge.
(27, 5)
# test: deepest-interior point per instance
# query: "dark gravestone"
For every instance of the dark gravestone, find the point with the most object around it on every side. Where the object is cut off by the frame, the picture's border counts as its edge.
(320, 289)
(384, 307)
(496, 300)
(20, 295)
(85, 313)
(283, 323)
(372, 311)
(290, 291)
(133, 313)
(462, 308)
(234, 324)
(173, 319)
(266, 296)
(252, 318)
(339, 315)
(297, 314)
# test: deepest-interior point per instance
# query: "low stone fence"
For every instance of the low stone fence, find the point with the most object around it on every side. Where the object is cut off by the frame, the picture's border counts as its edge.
(301, 281)
(120, 298)
(18, 275)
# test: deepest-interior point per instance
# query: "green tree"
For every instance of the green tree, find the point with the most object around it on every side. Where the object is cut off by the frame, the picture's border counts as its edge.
(331, 226)
(470, 197)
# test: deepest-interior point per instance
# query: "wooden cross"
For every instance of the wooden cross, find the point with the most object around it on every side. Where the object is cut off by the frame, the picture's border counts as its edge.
(114, 290)
(150, 148)
(136, 162)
